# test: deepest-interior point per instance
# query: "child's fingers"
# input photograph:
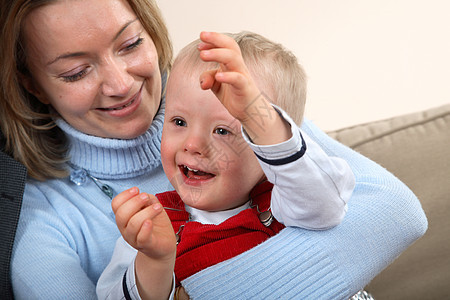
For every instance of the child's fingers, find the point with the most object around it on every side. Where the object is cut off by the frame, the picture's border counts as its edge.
(148, 213)
(131, 207)
(205, 46)
(212, 79)
(236, 79)
(144, 236)
(217, 40)
(220, 48)
(138, 223)
(123, 197)
(220, 55)
(228, 59)
(207, 79)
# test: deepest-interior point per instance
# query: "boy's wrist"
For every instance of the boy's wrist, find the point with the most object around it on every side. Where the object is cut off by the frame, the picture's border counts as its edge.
(154, 277)
(163, 260)
(263, 124)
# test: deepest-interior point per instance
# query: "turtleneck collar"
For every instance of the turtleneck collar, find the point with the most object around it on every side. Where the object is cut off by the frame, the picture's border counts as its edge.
(106, 158)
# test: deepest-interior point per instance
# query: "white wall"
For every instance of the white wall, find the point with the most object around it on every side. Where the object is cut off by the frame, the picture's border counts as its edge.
(365, 59)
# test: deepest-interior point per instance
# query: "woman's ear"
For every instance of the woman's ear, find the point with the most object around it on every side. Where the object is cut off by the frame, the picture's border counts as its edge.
(32, 87)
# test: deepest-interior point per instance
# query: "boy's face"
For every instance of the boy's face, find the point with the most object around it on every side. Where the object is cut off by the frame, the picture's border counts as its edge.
(203, 152)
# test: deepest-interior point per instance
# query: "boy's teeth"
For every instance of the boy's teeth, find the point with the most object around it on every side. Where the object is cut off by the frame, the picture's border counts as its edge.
(196, 174)
(192, 170)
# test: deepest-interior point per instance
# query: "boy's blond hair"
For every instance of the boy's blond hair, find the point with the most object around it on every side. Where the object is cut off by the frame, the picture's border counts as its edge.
(275, 69)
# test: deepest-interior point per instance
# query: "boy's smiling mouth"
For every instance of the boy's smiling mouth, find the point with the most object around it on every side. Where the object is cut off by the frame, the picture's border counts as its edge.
(195, 174)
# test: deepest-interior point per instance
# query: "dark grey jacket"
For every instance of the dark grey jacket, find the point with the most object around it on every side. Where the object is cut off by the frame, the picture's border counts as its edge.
(12, 183)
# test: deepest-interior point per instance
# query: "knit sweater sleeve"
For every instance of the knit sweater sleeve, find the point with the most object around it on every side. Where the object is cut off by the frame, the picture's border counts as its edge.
(63, 241)
(311, 188)
(331, 264)
(45, 263)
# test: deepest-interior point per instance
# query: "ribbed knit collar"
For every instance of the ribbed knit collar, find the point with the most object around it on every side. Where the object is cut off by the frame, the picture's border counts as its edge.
(106, 158)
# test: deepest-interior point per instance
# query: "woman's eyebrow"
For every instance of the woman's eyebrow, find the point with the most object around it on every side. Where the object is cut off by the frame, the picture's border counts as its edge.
(123, 28)
(76, 54)
(66, 55)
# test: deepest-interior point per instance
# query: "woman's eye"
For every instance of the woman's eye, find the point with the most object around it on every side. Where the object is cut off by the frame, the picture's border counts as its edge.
(134, 45)
(179, 122)
(221, 131)
(74, 77)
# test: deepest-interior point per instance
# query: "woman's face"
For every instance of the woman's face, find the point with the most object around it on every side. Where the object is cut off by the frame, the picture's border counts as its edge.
(94, 63)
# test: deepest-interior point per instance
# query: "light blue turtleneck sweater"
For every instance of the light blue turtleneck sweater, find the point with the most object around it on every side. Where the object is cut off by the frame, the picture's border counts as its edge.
(67, 233)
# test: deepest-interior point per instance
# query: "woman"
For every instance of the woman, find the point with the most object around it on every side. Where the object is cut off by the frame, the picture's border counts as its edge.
(81, 107)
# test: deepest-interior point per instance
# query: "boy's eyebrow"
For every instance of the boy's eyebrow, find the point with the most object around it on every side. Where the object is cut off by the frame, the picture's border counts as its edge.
(77, 54)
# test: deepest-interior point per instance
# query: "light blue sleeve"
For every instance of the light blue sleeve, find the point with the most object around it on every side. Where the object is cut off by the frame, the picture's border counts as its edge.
(45, 263)
(384, 217)
(63, 242)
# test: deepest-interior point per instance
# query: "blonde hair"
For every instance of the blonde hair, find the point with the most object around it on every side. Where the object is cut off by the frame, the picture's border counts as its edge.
(31, 135)
(274, 68)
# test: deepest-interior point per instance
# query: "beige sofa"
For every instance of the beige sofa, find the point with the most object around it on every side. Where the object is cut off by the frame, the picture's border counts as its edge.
(416, 148)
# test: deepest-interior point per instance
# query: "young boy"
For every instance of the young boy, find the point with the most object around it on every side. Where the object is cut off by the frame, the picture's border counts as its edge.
(234, 187)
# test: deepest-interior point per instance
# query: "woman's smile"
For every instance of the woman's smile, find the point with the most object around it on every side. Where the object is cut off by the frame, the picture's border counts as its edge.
(125, 108)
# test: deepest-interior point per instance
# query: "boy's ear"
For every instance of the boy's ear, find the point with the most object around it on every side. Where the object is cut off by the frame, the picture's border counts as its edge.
(33, 88)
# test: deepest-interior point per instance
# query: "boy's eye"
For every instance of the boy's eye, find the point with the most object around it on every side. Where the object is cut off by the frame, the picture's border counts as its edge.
(179, 122)
(221, 131)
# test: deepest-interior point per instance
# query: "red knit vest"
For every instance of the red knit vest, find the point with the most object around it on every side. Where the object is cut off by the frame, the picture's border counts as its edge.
(201, 246)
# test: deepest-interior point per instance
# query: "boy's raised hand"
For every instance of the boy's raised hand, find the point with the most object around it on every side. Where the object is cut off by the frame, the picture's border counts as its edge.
(231, 82)
(234, 86)
(144, 224)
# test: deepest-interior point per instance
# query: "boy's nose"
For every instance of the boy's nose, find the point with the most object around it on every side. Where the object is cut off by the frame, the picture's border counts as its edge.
(196, 144)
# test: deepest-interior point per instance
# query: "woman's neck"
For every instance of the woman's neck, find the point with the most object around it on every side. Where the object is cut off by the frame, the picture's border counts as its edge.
(115, 158)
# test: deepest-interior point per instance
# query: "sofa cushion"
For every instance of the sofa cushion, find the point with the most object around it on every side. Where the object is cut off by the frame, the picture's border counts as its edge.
(415, 148)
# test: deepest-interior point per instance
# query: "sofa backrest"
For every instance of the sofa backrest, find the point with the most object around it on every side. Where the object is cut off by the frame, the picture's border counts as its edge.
(415, 148)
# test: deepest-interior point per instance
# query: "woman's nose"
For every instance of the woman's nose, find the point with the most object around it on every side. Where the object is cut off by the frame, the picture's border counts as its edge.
(116, 82)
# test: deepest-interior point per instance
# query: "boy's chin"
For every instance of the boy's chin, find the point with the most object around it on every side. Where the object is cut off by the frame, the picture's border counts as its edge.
(192, 196)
